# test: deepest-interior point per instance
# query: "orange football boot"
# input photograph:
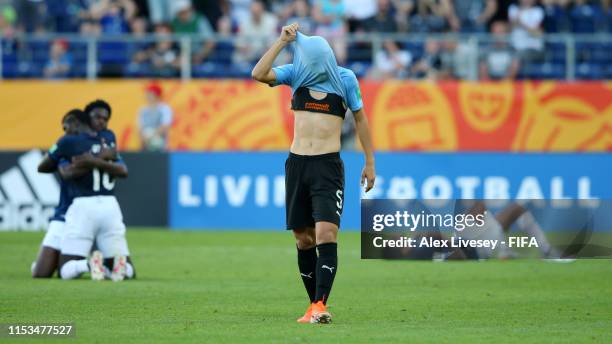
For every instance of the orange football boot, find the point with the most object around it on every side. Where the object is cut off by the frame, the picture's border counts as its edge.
(320, 315)
(306, 318)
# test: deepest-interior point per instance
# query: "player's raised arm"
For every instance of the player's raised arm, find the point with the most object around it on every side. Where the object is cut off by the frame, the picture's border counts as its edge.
(363, 131)
(262, 71)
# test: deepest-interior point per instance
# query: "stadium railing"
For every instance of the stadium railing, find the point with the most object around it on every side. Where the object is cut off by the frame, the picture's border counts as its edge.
(564, 57)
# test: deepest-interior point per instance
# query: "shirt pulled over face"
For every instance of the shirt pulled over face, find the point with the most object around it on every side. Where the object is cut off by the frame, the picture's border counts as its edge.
(314, 67)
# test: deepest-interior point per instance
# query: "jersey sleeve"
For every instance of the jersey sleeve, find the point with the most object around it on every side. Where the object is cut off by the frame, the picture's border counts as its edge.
(284, 75)
(63, 163)
(59, 149)
(353, 93)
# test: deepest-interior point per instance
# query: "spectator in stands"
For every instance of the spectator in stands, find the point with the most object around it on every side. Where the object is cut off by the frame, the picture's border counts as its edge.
(154, 120)
(329, 16)
(8, 17)
(471, 15)
(160, 11)
(282, 9)
(60, 62)
(360, 12)
(556, 15)
(99, 8)
(187, 21)
(56, 12)
(429, 16)
(384, 20)
(138, 50)
(241, 10)
(66, 15)
(161, 59)
(498, 60)
(164, 57)
(502, 10)
(31, 15)
(224, 48)
(463, 59)
(139, 27)
(391, 62)
(436, 63)
(404, 9)
(299, 12)
(526, 19)
(114, 15)
(585, 16)
(90, 27)
(255, 33)
(212, 10)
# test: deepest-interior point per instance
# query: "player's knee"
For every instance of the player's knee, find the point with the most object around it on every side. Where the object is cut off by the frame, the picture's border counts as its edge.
(327, 232)
(304, 239)
(40, 273)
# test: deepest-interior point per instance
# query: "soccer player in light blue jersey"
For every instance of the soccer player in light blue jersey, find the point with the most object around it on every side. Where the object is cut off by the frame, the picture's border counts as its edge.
(322, 93)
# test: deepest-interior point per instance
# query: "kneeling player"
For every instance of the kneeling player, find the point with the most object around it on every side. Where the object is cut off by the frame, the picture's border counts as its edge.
(94, 213)
(48, 256)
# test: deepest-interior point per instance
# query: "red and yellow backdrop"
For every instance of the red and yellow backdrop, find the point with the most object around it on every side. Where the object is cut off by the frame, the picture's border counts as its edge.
(244, 115)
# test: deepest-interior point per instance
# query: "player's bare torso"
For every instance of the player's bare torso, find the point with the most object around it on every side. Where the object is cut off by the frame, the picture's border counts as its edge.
(316, 133)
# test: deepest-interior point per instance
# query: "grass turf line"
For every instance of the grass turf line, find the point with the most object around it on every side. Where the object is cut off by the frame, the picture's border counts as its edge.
(196, 287)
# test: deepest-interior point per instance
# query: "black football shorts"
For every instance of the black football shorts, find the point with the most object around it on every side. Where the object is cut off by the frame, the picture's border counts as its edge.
(314, 189)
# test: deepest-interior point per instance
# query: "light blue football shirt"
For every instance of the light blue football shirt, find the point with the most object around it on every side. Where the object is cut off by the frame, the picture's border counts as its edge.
(314, 67)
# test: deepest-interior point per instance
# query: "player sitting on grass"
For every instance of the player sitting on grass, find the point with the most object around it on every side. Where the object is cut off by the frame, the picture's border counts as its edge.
(94, 212)
(314, 171)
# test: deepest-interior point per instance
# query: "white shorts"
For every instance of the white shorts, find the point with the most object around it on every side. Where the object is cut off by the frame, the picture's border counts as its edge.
(55, 232)
(96, 218)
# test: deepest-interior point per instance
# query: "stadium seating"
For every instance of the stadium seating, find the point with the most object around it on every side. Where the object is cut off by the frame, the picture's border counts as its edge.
(28, 58)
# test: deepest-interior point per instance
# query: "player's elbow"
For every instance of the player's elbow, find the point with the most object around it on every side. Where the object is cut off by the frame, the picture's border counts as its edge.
(44, 167)
(259, 75)
(256, 75)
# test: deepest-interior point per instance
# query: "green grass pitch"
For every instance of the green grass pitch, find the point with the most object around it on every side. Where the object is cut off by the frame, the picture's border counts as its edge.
(235, 287)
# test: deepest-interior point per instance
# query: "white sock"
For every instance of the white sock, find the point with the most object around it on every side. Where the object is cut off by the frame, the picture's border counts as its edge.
(129, 270)
(74, 268)
(529, 225)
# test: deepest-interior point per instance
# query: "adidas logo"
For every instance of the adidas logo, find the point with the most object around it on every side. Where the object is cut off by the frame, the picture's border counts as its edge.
(27, 198)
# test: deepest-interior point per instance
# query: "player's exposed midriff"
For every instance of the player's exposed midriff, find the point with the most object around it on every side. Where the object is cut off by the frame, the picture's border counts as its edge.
(316, 133)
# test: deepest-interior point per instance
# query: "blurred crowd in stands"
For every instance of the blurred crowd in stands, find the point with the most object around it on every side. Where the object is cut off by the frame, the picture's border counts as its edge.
(515, 48)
